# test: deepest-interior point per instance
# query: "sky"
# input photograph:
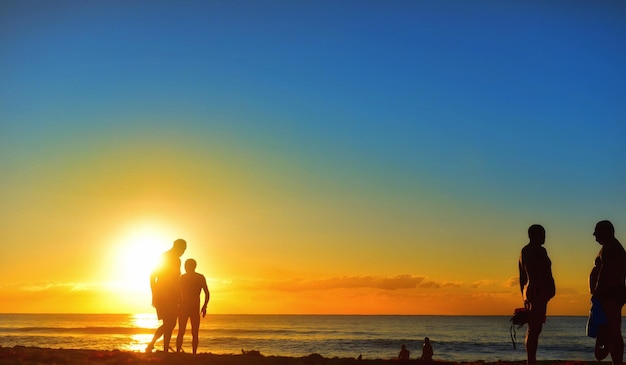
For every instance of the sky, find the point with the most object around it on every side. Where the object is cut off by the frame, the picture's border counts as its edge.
(319, 157)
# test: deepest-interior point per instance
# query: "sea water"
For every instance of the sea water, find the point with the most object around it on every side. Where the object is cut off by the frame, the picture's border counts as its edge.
(454, 338)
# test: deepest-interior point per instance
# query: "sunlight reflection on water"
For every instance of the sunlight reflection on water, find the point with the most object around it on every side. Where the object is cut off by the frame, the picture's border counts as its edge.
(144, 320)
(138, 342)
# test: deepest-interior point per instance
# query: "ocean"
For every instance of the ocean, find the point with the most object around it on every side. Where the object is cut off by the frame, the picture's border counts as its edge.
(454, 338)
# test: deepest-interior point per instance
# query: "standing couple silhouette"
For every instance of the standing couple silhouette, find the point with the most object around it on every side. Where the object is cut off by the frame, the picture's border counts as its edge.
(177, 297)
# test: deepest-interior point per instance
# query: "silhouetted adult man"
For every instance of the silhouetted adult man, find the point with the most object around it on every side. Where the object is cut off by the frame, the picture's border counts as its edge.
(537, 286)
(166, 293)
(191, 285)
(610, 290)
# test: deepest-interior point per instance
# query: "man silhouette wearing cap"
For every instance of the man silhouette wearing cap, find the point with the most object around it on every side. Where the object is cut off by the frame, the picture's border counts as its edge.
(610, 290)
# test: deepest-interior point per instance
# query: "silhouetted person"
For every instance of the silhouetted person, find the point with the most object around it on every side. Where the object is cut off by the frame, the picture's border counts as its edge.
(166, 293)
(597, 316)
(427, 350)
(610, 291)
(404, 354)
(191, 285)
(537, 286)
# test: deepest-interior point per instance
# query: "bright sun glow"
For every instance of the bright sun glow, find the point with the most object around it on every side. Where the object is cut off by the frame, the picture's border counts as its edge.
(136, 257)
(134, 251)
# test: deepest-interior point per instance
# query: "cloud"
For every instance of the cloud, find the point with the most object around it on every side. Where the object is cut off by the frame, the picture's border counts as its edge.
(513, 282)
(58, 297)
(398, 282)
(59, 287)
(483, 282)
(44, 290)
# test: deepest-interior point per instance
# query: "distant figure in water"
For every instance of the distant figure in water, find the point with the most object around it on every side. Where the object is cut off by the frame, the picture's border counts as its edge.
(191, 285)
(537, 286)
(166, 293)
(608, 288)
(427, 350)
(404, 354)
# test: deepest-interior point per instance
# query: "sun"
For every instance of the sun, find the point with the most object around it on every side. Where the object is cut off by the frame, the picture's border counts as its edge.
(137, 258)
(136, 255)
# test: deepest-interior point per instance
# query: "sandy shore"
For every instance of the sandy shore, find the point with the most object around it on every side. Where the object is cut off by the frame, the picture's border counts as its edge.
(36, 356)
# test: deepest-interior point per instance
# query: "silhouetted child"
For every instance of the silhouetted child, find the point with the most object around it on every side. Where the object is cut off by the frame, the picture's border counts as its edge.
(191, 284)
(404, 354)
(427, 350)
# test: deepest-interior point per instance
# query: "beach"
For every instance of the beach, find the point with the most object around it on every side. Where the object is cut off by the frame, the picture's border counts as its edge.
(454, 338)
(23, 355)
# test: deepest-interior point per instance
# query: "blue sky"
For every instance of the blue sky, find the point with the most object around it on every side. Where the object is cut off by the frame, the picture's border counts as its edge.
(369, 118)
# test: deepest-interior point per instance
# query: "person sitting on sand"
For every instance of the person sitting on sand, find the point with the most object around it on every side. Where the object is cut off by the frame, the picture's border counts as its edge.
(404, 354)
(191, 285)
(427, 350)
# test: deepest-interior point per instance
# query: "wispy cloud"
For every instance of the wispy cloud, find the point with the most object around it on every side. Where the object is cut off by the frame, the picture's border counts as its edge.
(43, 287)
(483, 283)
(512, 282)
(398, 282)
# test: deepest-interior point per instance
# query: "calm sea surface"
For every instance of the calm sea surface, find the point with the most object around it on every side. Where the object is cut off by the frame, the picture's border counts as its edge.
(462, 338)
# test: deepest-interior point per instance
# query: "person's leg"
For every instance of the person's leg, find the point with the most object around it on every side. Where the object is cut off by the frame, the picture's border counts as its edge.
(601, 350)
(614, 340)
(535, 324)
(532, 341)
(195, 329)
(168, 327)
(157, 334)
(182, 328)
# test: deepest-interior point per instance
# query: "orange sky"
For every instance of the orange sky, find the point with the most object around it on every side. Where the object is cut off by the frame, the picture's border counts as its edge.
(109, 273)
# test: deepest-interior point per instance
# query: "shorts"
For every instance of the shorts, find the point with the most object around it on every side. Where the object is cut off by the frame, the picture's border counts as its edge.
(167, 310)
(189, 311)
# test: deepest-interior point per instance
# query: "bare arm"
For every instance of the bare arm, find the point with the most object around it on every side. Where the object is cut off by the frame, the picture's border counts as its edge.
(207, 296)
(153, 280)
(523, 279)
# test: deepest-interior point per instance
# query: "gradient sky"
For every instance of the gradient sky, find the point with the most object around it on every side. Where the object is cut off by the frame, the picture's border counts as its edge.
(318, 156)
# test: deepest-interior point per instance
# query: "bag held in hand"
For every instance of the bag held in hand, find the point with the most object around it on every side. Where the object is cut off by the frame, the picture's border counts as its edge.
(520, 318)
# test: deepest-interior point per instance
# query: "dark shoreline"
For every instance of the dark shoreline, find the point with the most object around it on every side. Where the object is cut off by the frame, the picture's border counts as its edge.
(21, 355)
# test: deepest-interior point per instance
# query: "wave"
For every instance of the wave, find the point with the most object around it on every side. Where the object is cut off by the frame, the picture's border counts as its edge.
(236, 332)
(78, 330)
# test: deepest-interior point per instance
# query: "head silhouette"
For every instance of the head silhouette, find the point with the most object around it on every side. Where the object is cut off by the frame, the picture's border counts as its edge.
(190, 265)
(180, 245)
(537, 234)
(604, 232)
